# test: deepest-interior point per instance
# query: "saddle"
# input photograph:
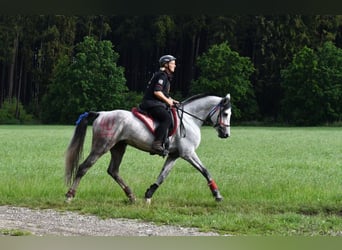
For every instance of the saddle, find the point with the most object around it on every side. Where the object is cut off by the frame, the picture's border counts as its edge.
(152, 124)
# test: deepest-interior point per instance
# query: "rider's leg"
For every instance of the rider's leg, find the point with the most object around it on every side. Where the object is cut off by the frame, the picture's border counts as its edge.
(164, 119)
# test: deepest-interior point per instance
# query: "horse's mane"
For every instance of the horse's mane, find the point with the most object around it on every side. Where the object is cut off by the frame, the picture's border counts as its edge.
(195, 97)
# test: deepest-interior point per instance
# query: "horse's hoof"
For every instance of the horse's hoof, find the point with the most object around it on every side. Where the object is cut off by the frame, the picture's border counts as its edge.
(132, 199)
(68, 199)
(70, 195)
(148, 201)
(219, 198)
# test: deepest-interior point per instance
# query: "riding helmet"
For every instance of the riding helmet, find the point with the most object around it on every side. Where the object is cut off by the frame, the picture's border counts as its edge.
(166, 59)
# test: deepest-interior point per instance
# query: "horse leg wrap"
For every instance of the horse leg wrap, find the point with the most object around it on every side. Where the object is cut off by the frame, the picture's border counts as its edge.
(214, 190)
(212, 185)
(71, 193)
(149, 192)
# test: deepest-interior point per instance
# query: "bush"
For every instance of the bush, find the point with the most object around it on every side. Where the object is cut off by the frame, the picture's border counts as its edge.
(224, 71)
(91, 80)
(313, 86)
(12, 112)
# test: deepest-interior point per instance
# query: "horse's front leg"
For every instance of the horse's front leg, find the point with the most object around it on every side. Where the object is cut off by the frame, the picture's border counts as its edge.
(196, 162)
(168, 165)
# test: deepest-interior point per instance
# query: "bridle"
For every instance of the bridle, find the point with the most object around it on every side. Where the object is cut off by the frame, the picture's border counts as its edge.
(219, 123)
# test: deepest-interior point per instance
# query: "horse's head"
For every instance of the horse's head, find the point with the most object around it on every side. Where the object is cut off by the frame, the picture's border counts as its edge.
(220, 117)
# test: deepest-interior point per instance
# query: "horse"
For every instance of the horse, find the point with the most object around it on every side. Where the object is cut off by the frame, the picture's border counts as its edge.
(114, 130)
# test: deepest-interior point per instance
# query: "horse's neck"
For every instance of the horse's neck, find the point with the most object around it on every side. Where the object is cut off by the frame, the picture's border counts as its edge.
(203, 106)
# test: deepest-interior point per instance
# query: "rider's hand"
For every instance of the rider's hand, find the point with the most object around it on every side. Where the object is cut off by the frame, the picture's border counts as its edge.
(175, 102)
(169, 102)
(172, 102)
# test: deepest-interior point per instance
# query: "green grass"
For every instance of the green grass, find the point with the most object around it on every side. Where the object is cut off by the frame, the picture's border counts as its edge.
(275, 181)
(14, 232)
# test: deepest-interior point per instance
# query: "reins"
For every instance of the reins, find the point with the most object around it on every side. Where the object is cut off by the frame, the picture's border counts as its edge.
(211, 113)
(181, 125)
(186, 112)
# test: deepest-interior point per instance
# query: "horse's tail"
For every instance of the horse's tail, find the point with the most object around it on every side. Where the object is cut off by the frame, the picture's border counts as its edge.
(75, 148)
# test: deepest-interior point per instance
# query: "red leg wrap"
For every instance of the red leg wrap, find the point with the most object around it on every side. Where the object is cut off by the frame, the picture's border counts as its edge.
(212, 185)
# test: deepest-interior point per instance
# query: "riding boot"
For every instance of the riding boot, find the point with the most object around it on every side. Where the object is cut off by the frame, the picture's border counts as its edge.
(157, 146)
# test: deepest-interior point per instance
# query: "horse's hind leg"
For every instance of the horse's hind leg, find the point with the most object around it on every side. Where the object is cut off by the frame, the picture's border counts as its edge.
(82, 170)
(117, 153)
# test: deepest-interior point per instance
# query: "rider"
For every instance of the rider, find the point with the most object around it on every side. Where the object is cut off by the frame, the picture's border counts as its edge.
(156, 100)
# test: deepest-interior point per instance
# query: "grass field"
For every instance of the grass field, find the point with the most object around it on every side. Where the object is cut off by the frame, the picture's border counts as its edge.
(275, 181)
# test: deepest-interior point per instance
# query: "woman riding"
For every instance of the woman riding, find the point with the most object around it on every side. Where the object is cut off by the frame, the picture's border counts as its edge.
(157, 100)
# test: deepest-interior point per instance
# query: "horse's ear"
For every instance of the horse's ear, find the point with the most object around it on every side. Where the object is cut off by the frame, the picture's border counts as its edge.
(226, 99)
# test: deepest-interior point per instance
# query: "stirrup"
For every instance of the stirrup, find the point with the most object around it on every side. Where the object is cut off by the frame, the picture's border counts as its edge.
(164, 152)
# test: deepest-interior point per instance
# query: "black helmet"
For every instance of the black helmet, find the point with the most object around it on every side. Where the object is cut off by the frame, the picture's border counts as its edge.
(165, 59)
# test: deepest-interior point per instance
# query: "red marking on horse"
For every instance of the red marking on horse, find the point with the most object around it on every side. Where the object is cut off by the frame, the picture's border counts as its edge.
(106, 125)
(150, 124)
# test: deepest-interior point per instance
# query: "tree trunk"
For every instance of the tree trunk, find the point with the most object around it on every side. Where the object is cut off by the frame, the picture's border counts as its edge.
(17, 111)
(12, 67)
(2, 89)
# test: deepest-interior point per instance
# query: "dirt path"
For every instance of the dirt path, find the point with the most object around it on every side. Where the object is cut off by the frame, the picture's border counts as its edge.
(50, 222)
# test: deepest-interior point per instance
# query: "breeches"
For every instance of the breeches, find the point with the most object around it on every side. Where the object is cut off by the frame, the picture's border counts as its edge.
(163, 117)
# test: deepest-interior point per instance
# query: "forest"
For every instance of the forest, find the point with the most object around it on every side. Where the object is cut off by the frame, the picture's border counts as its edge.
(293, 64)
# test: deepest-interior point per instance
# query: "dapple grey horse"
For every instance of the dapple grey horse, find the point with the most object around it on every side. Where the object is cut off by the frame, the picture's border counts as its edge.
(114, 130)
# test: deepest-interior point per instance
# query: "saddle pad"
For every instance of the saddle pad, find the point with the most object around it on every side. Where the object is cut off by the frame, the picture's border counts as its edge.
(151, 124)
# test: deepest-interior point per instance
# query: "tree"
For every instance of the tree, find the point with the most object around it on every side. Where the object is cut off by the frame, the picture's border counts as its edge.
(313, 86)
(7, 44)
(89, 81)
(31, 46)
(223, 71)
(330, 74)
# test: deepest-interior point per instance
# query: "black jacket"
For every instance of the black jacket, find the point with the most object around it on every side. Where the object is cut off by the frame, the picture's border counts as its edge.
(160, 81)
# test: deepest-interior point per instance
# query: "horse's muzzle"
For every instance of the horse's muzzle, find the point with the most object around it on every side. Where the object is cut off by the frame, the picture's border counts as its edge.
(223, 131)
(223, 136)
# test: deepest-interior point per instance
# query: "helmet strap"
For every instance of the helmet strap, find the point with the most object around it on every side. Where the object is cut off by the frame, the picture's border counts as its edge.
(167, 69)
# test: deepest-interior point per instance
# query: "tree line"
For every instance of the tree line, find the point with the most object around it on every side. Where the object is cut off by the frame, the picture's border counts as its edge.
(32, 47)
